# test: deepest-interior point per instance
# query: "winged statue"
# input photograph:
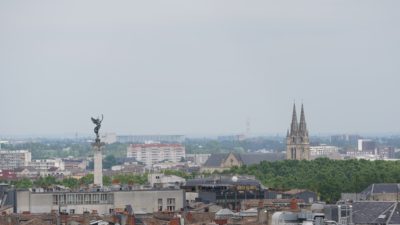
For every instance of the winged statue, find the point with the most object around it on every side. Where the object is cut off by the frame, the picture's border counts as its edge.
(97, 122)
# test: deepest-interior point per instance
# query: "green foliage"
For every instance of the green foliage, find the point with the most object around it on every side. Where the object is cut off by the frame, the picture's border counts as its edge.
(109, 161)
(70, 182)
(180, 173)
(87, 180)
(45, 182)
(49, 181)
(22, 183)
(106, 181)
(327, 177)
(129, 179)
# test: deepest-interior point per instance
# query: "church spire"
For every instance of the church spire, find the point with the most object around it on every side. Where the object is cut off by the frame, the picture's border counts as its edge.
(293, 126)
(303, 126)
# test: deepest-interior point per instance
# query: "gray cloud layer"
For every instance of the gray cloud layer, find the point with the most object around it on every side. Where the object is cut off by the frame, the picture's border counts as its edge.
(198, 67)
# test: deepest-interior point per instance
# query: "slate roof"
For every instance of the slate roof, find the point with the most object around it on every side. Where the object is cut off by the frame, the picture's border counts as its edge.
(215, 160)
(381, 188)
(256, 158)
(22, 168)
(372, 212)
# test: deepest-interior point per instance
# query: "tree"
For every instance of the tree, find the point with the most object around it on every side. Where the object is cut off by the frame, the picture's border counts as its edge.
(23, 183)
(109, 161)
(329, 178)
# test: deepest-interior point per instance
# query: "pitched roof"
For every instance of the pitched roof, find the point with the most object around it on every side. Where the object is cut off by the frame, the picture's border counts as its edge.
(295, 191)
(256, 158)
(381, 188)
(371, 212)
(215, 160)
(20, 169)
(224, 212)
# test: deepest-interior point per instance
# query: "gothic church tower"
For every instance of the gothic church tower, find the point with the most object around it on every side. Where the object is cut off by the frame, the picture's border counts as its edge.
(297, 141)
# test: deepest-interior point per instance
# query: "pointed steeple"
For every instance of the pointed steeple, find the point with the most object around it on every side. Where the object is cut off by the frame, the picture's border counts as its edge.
(303, 126)
(293, 125)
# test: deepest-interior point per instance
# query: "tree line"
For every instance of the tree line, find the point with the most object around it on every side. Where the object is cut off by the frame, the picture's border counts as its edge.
(329, 178)
(85, 181)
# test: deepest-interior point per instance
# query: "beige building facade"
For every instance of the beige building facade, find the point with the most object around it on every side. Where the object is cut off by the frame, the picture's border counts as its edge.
(104, 202)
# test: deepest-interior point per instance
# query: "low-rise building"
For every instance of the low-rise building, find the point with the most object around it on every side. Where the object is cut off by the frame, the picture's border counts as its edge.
(102, 202)
(306, 196)
(162, 181)
(75, 164)
(7, 175)
(224, 190)
(55, 172)
(382, 192)
(46, 164)
(26, 172)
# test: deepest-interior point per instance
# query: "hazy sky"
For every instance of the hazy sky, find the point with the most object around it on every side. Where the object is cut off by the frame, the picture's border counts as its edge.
(199, 67)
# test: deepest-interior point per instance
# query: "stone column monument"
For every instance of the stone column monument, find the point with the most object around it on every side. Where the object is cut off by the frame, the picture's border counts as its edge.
(97, 154)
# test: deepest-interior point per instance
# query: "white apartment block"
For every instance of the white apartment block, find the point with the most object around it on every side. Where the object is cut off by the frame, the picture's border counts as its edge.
(321, 150)
(11, 159)
(45, 164)
(150, 154)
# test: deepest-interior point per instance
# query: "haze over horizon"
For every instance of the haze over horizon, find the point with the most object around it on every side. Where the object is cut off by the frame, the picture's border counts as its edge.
(179, 67)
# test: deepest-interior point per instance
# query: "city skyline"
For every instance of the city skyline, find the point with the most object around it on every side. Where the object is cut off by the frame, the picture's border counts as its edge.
(199, 68)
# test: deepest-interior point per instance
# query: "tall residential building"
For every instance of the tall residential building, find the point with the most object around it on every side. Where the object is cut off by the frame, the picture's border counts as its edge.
(150, 138)
(366, 145)
(13, 159)
(150, 154)
(297, 141)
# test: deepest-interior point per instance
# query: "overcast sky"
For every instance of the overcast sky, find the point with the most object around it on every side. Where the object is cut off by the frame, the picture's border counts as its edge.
(199, 67)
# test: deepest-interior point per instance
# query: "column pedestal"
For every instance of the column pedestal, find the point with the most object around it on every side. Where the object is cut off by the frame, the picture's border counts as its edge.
(98, 164)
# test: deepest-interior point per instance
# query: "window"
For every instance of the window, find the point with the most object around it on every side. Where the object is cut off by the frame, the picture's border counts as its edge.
(87, 199)
(160, 204)
(71, 199)
(55, 199)
(95, 199)
(72, 211)
(110, 199)
(62, 199)
(171, 204)
(79, 199)
(103, 198)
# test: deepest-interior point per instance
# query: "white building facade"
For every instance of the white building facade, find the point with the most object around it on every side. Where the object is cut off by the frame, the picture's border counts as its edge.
(46, 164)
(150, 154)
(11, 159)
(323, 150)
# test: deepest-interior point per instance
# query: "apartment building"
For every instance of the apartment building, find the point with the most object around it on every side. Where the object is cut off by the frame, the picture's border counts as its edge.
(11, 159)
(150, 154)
